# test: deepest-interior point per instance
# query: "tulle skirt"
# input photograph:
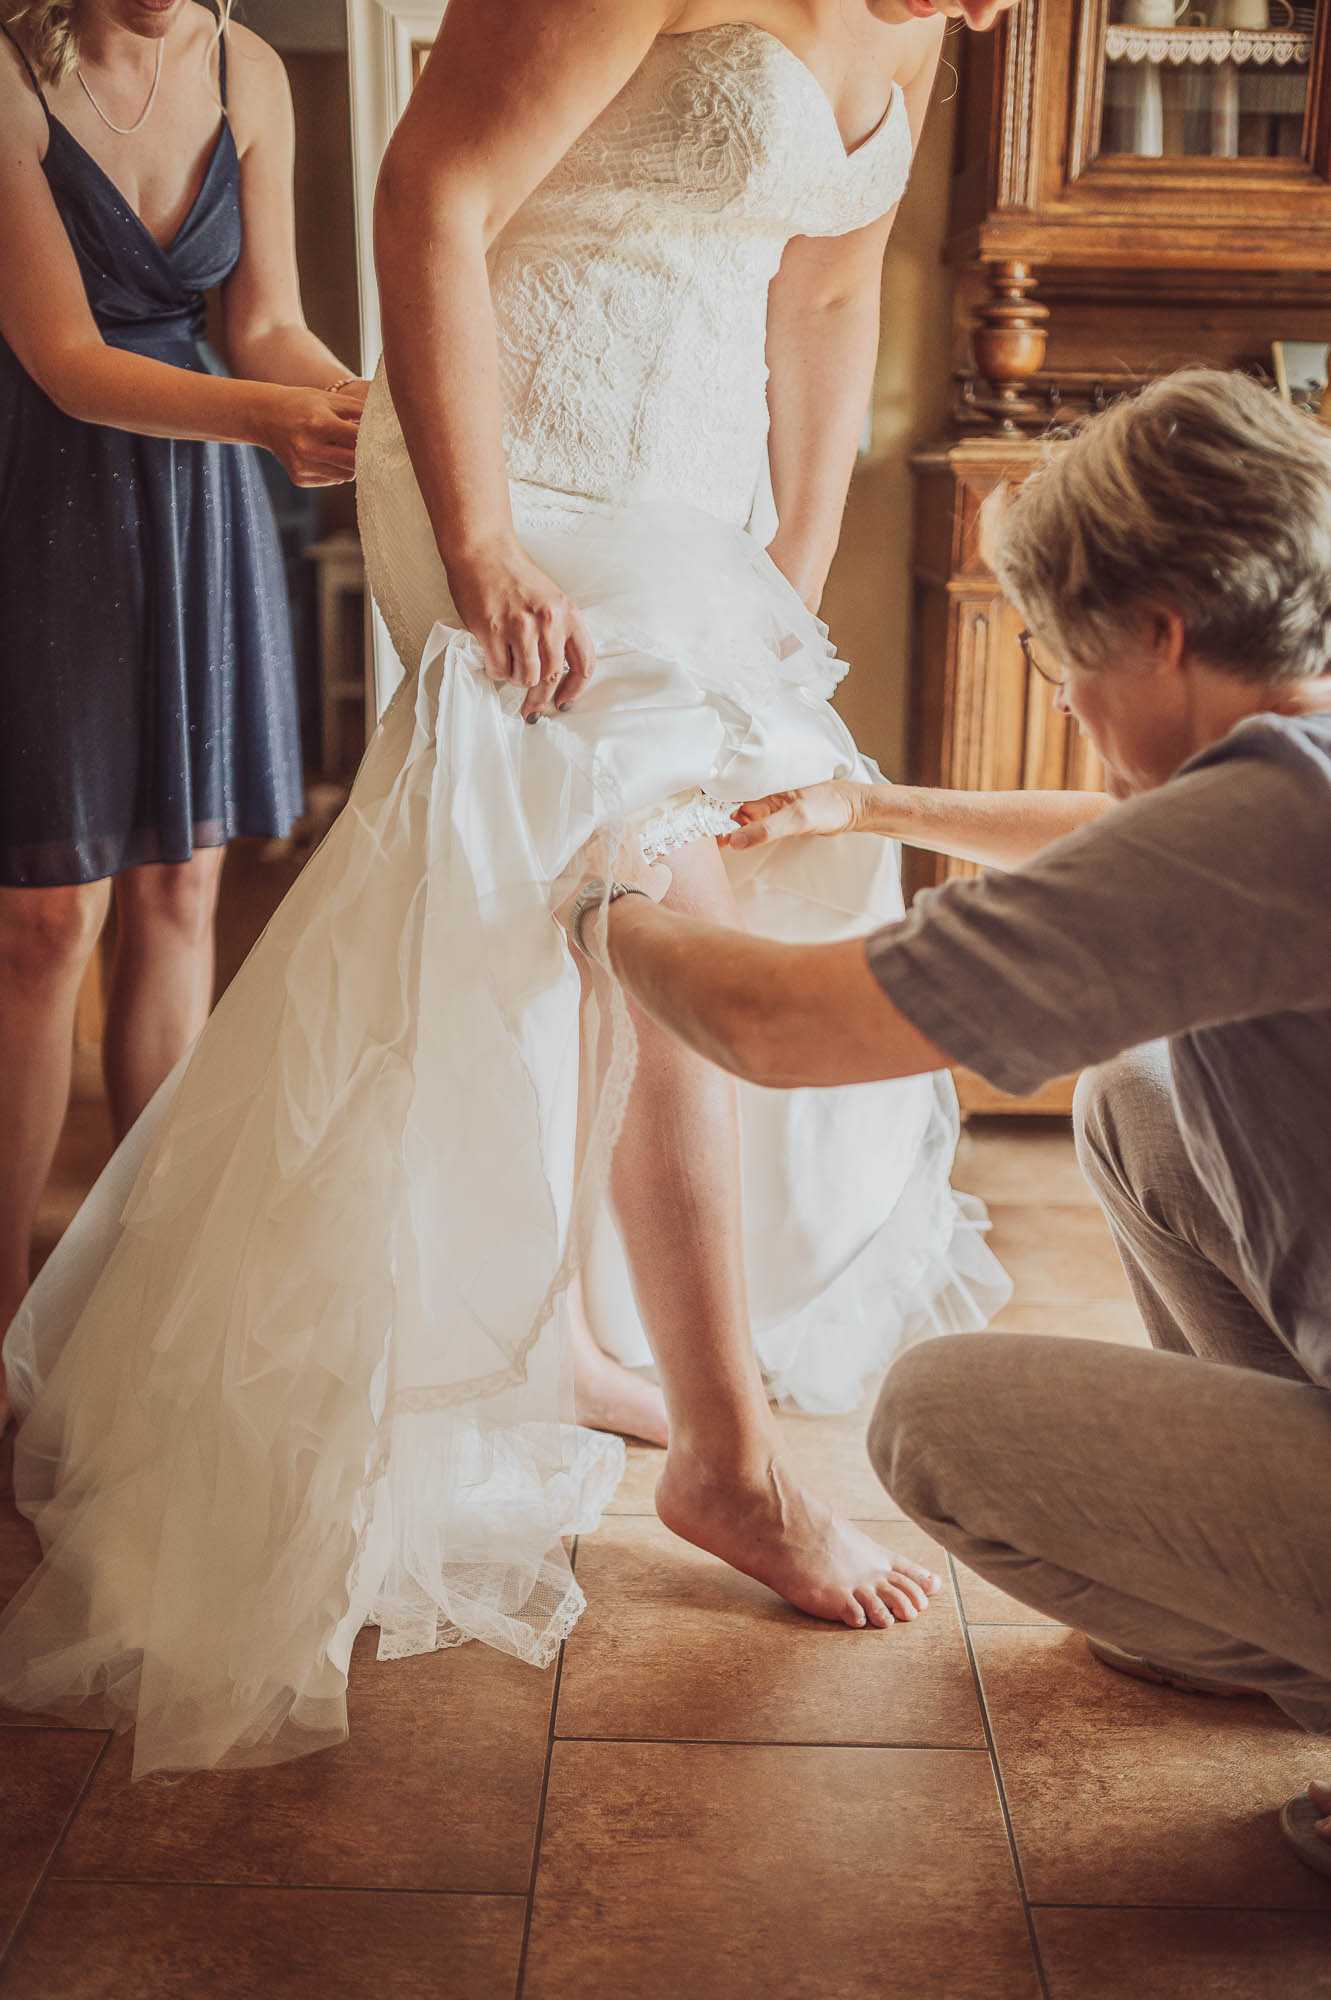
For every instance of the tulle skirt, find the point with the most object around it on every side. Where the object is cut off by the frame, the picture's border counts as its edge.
(300, 1363)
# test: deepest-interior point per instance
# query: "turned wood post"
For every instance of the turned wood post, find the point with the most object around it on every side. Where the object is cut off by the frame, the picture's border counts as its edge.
(1010, 337)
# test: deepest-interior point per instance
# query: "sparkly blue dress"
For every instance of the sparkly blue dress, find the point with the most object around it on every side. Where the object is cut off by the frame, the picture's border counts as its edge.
(147, 686)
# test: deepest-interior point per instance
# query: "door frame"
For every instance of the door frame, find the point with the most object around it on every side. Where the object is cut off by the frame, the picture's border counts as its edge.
(387, 41)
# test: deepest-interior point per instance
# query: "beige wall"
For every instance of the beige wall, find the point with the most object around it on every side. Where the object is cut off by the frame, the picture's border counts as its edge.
(867, 605)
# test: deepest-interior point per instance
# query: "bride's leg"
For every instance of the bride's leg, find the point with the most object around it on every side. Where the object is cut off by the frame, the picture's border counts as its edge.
(729, 1485)
(607, 1395)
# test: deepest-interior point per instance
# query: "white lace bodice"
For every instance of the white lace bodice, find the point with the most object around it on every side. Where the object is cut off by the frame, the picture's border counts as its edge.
(630, 290)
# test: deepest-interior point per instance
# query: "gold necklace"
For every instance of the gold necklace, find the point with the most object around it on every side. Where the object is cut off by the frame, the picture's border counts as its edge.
(126, 130)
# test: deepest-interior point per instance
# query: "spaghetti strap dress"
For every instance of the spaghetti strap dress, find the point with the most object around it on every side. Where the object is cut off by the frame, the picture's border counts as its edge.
(147, 685)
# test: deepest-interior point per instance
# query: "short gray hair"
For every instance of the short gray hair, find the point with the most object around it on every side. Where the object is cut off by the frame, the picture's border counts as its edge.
(1205, 493)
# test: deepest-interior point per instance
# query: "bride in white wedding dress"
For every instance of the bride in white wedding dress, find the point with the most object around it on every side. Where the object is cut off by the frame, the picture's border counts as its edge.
(304, 1360)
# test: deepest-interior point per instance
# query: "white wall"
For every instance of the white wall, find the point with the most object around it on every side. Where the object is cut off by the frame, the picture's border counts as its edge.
(296, 24)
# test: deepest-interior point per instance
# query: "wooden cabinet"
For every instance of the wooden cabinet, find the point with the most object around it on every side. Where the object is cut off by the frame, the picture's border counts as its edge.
(1128, 198)
(979, 720)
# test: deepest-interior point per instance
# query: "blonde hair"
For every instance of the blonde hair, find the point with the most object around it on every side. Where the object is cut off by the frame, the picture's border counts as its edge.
(1205, 493)
(53, 38)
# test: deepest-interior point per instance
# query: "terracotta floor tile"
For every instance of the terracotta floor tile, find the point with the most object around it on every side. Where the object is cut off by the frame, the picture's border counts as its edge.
(1124, 1793)
(42, 1772)
(675, 1645)
(89, 1941)
(983, 1603)
(694, 1871)
(1056, 1254)
(1020, 1159)
(1176, 1954)
(1117, 1320)
(438, 1788)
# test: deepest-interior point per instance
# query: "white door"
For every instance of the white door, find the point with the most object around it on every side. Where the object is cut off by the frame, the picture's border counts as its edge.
(388, 41)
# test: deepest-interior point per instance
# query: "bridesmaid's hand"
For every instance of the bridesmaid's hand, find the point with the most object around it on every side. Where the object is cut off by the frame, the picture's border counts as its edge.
(353, 394)
(313, 433)
(829, 808)
(529, 631)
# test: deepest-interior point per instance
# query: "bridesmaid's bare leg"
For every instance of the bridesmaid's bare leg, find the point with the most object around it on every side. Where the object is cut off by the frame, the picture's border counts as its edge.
(729, 1484)
(46, 939)
(162, 976)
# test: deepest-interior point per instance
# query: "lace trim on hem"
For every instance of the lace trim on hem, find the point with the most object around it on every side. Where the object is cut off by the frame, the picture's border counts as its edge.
(543, 1652)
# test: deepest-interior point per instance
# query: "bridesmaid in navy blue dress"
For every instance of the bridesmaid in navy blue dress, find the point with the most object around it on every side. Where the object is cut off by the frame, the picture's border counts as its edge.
(147, 700)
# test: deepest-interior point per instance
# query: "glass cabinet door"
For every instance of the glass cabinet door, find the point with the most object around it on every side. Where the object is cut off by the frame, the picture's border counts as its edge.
(1223, 80)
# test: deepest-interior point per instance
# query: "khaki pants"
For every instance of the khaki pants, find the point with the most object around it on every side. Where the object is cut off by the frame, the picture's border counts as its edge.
(1176, 1503)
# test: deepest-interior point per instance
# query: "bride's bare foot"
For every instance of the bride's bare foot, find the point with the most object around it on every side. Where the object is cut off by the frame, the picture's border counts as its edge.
(775, 1528)
(609, 1397)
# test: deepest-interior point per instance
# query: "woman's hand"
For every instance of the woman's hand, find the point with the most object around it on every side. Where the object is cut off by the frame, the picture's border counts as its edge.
(353, 394)
(833, 807)
(530, 632)
(313, 433)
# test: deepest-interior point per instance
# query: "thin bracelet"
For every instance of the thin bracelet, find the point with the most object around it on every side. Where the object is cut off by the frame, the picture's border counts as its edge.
(595, 895)
(345, 383)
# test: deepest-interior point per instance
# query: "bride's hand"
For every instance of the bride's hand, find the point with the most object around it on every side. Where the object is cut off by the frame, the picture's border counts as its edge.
(829, 808)
(529, 631)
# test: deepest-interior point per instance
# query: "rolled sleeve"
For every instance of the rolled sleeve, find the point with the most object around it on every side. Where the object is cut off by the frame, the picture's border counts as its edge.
(1198, 903)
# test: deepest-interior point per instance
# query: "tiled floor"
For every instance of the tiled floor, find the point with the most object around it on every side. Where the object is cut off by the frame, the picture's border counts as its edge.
(709, 1796)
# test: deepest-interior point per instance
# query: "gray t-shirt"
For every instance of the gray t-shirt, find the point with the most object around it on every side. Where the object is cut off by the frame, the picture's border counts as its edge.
(1200, 912)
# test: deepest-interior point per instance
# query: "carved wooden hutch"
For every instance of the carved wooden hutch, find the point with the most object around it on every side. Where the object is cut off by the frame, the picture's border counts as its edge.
(1126, 200)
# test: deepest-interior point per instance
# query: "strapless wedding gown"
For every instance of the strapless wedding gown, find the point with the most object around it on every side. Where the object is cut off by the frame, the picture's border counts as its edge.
(300, 1363)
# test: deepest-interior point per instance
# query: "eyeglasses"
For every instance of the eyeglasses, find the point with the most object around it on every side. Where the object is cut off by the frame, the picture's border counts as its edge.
(1033, 665)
